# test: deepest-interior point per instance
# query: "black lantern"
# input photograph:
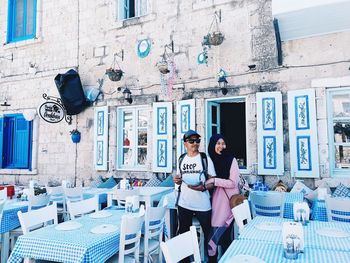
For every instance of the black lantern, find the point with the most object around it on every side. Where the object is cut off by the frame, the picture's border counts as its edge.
(127, 95)
(223, 81)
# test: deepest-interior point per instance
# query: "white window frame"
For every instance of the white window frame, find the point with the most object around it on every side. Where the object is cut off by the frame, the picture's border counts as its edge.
(248, 132)
(137, 12)
(335, 172)
(119, 156)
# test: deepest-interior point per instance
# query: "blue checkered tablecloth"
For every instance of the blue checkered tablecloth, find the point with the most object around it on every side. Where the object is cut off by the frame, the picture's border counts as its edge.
(312, 239)
(9, 219)
(74, 246)
(319, 211)
(273, 253)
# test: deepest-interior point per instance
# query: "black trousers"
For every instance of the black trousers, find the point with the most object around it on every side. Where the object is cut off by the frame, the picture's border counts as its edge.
(185, 217)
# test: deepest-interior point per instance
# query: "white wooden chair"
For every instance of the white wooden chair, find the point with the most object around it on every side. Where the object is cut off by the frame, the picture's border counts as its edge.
(242, 216)
(82, 207)
(73, 194)
(57, 195)
(121, 194)
(34, 202)
(30, 220)
(154, 224)
(3, 194)
(338, 209)
(181, 246)
(267, 203)
(130, 227)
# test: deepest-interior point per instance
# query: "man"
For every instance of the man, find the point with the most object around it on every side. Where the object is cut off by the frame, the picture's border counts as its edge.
(193, 196)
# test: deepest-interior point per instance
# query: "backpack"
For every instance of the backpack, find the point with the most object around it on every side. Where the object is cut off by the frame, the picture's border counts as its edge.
(204, 160)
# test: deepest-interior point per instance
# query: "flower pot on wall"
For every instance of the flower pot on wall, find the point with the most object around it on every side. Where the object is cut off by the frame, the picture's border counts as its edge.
(216, 38)
(114, 74)
(76, 136)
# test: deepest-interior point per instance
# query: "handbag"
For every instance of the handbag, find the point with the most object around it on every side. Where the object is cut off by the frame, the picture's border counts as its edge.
(235, 199)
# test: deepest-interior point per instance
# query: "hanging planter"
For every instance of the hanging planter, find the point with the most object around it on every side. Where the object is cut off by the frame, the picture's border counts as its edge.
(163, 67)
(75, 135)
(114, 74)
(214, 37)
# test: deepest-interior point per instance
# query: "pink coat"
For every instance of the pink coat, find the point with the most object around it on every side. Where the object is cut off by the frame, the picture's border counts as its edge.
(221, 211)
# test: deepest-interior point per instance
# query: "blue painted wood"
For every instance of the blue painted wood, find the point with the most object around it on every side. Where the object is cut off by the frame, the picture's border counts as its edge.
(22, 142)
(1, 139)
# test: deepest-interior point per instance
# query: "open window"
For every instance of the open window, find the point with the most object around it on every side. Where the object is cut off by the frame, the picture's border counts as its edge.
(132, 8)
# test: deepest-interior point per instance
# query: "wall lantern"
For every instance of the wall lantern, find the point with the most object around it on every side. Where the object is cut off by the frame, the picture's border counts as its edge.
(127, 95)
(222, 80)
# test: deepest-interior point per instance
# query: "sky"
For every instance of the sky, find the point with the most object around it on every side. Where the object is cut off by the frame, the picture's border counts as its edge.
(282, 6)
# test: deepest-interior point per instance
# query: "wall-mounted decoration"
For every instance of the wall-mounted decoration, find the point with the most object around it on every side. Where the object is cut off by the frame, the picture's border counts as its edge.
(303, 143)
(75, 135)
(270, 133)
(53, 111)
(167, 68)
(162, 134)
(143, 48)
(202, 57)
(101, 138)
(185, 120)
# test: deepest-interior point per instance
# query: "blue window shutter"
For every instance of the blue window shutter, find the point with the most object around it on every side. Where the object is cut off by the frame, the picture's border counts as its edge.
(123, 7)
(22, 142)
(1, 139)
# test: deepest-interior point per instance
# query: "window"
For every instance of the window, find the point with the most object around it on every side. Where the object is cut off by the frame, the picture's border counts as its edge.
(339, 130)
(15, 142)
(21, 20)
(132, 8)
(132, 137)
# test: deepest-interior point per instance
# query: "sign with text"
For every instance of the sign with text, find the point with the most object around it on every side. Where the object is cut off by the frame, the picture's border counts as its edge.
(53, 110)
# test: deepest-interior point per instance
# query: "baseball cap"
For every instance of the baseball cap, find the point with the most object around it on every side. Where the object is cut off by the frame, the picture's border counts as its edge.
(190, 133)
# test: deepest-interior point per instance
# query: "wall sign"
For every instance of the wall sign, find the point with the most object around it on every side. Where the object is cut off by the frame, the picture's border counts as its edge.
(143, 48)
(53, 111)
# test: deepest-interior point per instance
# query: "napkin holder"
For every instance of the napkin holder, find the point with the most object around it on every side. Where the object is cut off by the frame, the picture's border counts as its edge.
(301, 212)
(124, 183)
(292, 239)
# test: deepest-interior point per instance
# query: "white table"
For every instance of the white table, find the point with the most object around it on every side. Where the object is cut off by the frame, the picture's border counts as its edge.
(147, 194)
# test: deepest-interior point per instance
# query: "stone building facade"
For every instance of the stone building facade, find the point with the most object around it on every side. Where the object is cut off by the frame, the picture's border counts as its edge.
(89, 36)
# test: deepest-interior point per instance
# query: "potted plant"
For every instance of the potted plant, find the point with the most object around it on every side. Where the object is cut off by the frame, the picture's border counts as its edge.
(163, 67)
(216, 38)
(114, 74)
(75, 135)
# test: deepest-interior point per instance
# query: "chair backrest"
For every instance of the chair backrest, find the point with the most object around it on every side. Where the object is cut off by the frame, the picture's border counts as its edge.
(338, 209)
(38, 201)
(267, 203)
(83, 207)
(121, 194)
(36, 217)
(73, 194)
(154, 222)
(130, 234)
(181, 246)
(242, 215)
(3, 194)
(2, 205)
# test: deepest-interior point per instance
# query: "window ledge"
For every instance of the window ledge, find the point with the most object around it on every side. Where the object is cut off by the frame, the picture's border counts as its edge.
(22, 43)
(18, 172)
(135, 20)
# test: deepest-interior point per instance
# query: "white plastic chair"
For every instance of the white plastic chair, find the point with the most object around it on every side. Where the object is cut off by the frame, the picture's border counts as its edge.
(83, 207)
(181, 246)
(37, 217)
(242, 216)
(154, 224)
(3, 194)
(267, 203)
(338, 209)
(130, 227)
(73, 194)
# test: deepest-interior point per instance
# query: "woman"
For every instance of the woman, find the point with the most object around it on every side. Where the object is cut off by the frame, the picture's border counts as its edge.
(226, 184)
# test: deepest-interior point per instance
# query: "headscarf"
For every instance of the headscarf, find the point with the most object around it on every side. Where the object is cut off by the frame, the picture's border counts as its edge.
(222, 162)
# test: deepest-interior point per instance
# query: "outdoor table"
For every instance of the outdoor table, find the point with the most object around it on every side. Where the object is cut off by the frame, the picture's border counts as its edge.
(319, 211)
(272, 253)
(79, 245)
(9, 221)
(311, 238)
(147, 194)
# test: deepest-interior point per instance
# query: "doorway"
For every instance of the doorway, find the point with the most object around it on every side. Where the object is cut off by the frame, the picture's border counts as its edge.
(228, 117)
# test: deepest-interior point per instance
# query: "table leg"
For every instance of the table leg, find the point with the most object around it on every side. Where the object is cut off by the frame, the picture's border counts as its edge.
(5, 246)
